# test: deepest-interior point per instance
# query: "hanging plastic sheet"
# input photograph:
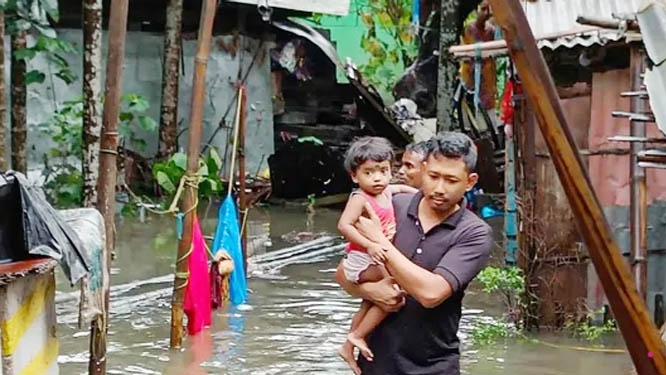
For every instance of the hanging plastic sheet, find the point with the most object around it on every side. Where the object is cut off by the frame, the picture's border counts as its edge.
(227, 238)
(88, 224)
(45, 232)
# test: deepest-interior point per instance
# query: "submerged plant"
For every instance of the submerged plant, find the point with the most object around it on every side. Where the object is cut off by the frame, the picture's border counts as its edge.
(509, 284)
(588, 331)
(486, 333)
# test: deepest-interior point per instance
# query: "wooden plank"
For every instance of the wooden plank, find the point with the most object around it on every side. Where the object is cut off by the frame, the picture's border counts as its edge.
(334, 7)
(643, 342)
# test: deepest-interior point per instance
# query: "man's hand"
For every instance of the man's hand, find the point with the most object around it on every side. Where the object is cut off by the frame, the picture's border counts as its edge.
(371, 228)
(377, 253)
(386, 294)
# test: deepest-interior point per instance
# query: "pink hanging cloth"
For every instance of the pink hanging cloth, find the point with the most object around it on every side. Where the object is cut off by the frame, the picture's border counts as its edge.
(197, 303)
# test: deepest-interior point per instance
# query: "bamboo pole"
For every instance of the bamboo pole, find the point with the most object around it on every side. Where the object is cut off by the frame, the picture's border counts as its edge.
(3, 96)
(242, 196)
(208, 8)
(638, 190)
(170, 80)
(106, 200)
(643, 342)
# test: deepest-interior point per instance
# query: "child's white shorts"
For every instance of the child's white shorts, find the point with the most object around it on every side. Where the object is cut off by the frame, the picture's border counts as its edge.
(354, 263)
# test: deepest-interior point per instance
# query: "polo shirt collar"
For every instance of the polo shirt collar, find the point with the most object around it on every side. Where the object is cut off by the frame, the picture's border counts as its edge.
(452, 221)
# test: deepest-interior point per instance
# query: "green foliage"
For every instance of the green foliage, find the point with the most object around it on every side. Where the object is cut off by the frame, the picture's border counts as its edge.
(587, 331)
(317, 18)
(168, 174)
(132, 119)
(386, 57)
(34, 16)
(29, 15)
(63, 179)
(486, 333)
(509, 284)
(505, 280)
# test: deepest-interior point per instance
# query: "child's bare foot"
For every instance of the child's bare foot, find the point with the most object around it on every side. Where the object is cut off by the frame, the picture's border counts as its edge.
(346, 352)
(360, 343)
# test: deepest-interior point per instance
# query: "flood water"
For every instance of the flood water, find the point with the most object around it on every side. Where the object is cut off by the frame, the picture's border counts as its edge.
(295, 320)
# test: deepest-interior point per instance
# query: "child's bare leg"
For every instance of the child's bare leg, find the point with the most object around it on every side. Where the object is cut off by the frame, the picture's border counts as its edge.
(370, 321)
(346, 352)
(365, 324)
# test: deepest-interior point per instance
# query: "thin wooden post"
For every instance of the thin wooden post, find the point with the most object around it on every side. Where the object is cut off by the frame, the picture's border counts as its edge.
(242, 196)
(638, 191)
(208, 8)
(19, 121)
(643, 342)
(106, 200)
(3, 96)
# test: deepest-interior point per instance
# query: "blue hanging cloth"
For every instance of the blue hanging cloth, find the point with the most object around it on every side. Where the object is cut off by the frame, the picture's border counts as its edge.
(416, 12)
(227, 237)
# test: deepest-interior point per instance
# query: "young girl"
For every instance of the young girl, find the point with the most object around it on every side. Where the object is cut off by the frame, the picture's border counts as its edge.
(368, 161)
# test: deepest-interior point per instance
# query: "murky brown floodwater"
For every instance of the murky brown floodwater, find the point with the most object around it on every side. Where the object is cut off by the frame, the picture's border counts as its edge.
(296, 320)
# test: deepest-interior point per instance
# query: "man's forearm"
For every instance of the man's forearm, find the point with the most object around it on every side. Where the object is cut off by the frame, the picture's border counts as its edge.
(427, 288)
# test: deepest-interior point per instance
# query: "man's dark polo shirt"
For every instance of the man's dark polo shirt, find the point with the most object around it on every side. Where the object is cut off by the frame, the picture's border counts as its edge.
(417, 340)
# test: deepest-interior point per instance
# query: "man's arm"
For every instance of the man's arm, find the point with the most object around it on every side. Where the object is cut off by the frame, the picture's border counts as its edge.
(456, 269)
(382, 293)
(428, 288)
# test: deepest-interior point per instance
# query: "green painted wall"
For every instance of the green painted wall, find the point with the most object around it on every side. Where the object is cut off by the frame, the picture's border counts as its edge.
(346, 33)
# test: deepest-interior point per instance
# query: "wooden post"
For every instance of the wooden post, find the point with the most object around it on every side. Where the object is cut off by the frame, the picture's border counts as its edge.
(242, 198)
(19, 111)
(638, 206)
(170, 79)
(92, 98)
(208, 9)
(106, 200)
(643, 342)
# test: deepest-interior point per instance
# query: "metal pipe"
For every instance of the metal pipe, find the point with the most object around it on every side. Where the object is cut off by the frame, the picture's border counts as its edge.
(643, 342)
(242, 196)
(208, 9)
(638, 190)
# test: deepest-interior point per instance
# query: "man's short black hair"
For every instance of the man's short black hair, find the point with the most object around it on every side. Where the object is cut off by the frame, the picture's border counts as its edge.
(368, 148)
(454, 145)
(420, 148)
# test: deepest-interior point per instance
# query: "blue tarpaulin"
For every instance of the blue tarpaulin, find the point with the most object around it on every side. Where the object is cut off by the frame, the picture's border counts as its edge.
(227, 237)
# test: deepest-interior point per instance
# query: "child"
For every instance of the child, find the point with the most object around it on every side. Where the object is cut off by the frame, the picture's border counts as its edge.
(368, 161)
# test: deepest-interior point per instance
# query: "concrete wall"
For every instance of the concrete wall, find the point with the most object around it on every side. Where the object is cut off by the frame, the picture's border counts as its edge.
(143, 75)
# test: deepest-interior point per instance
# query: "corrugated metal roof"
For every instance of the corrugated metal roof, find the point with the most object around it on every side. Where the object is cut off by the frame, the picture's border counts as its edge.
(652, 20)
(548, 18)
